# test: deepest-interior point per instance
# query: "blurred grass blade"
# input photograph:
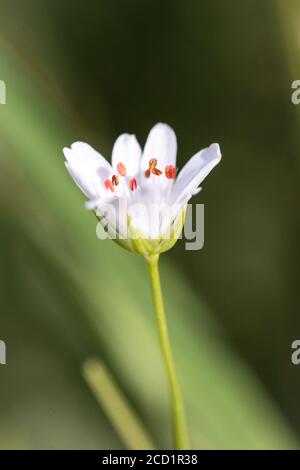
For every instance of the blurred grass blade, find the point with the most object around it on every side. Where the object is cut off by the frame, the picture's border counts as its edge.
(116, 406)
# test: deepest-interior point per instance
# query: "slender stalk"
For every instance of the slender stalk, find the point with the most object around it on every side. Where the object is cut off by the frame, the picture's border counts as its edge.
(178, 419)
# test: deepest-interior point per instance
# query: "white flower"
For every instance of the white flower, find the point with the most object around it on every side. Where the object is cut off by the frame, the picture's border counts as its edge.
(138, 197)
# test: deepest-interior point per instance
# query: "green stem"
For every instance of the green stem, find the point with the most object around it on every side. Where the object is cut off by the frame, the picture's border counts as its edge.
(179, 431)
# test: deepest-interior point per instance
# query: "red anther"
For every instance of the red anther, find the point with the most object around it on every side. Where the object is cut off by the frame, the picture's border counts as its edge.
(170, 172)
(133, 184)
(121, 169)
(115, 180)
(108, 185)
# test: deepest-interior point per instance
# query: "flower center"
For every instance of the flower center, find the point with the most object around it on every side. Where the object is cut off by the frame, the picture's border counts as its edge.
(170, 173)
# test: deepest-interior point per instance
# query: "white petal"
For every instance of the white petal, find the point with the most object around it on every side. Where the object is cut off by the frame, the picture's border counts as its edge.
(127, 150)
(83, 153)
(162, 145)
(194, 172)
(88, 169)
(86, 180)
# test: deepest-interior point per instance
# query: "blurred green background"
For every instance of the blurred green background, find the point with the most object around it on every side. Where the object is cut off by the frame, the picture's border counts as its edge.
(216, 71)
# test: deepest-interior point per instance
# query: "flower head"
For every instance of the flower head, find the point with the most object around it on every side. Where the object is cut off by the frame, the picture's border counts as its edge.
(139, 198)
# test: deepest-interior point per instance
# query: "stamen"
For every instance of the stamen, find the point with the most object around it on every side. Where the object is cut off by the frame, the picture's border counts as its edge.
(152, 168)
(133, 184)
(152, 163)
(170, 172)
(121, 169)
(108, 185)
(115, 180)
